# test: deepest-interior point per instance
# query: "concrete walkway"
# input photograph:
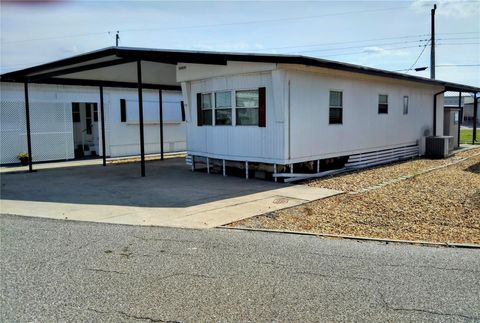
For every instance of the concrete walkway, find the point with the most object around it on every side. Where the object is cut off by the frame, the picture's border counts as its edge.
(85, 162)
(170, 195)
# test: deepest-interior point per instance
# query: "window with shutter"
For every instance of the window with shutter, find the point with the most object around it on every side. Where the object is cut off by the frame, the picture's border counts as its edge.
(246, 107)
(123, 110)
(262, 113)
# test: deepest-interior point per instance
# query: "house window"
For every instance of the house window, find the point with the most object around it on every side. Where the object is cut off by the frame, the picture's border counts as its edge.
(123, 110)
(207, 109)
(95, 112)
(88, 118)
(246, 103)
(382, 104)
(336, 107)
(182, 110)
(405, 105)
(75, 112)
(223, 108)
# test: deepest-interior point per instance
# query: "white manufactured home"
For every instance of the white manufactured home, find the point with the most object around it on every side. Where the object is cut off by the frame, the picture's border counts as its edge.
(272, 116)
(290, 114)
(65, 122)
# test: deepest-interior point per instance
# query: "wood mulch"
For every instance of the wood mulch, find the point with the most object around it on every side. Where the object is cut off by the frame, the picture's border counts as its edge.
(439, 206)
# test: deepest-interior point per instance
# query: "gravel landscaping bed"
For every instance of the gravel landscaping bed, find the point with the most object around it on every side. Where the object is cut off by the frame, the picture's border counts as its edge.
(440, 206)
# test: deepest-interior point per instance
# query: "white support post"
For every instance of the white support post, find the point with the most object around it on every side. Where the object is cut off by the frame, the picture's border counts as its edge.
(224, 169)
(208, 165)
(291, 168)
(318, 166)
(246, 170)
(275, 172)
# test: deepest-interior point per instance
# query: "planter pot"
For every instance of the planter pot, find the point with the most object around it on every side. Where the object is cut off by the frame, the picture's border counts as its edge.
(24, 161)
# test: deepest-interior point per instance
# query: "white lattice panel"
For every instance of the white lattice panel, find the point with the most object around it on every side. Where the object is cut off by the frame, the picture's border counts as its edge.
(51, 126)
(12, 117)
(51, 130)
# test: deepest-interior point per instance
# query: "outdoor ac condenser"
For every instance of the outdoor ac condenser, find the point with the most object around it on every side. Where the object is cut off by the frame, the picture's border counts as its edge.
(438, 146)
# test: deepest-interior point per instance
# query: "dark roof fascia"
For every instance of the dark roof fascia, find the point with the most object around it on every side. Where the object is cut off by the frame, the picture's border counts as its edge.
(96, 83)
(170, 57)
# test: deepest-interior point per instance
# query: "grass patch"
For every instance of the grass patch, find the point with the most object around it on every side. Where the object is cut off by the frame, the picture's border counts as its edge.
(466, 136)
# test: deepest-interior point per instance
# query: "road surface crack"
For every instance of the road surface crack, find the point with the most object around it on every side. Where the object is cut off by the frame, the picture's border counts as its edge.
(431, 267)
(165, 239)
(420, 310)
(334, 276)
(106, 271)
(187, 274)
(131, 316)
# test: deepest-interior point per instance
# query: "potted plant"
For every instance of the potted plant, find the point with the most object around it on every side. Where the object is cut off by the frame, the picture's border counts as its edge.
(23, 158)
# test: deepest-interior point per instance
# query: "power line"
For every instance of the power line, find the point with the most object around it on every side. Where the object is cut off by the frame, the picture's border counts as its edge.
(391, 48)
(457, 65)
(446, 65)
(352, 47)
(342, 42)
(358, 46)
(268, 20)
(421, 53)
(209, 25)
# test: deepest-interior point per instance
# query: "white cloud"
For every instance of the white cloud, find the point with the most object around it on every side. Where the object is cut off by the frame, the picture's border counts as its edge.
(452, 8)
(229, 46)
(70, 50)
(374, 50)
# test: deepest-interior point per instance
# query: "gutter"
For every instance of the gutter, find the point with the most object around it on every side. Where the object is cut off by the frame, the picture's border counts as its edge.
(435, 111)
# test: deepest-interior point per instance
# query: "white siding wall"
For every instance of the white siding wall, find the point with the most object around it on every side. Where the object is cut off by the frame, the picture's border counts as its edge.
(363, 129)
(127, 135)
(250, 143)
(51, 122)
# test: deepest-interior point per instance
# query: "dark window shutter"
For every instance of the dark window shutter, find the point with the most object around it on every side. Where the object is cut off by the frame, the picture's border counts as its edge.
(182, 107)
(75, 112)
(199, 110)
(262, 120)
(123, 110)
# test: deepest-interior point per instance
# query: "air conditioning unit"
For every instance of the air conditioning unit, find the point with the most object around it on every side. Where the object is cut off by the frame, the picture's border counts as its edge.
(438, 146)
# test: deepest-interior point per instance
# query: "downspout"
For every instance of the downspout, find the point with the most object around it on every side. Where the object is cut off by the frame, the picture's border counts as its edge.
(289, 119)
(435, 111)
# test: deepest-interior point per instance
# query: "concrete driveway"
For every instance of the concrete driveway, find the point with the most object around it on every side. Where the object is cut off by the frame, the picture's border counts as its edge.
(170, 195)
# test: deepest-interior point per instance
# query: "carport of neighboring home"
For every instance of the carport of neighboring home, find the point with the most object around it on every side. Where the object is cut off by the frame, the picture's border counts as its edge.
(171, 195)
(111, 67)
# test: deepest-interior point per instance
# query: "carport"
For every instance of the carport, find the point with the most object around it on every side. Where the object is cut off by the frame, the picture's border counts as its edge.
(111, 67)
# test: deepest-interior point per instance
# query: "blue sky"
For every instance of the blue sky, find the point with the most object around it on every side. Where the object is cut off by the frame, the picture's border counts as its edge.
(383, 34)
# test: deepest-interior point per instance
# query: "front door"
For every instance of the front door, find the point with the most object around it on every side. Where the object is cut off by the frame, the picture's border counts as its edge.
(85, 129)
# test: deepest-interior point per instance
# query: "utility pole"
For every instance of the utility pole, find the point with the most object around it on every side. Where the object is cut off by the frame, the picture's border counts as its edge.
(117, 38)
(432, 45)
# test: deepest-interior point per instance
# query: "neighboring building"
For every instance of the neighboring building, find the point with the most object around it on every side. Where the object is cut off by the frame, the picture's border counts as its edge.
(65, 123)
(467, 104)
(452, 100)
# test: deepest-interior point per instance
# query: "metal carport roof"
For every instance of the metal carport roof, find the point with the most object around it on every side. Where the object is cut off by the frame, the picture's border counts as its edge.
(115, 66)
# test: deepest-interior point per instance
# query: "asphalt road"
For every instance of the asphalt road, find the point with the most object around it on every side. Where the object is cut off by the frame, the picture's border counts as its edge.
(76, 271)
